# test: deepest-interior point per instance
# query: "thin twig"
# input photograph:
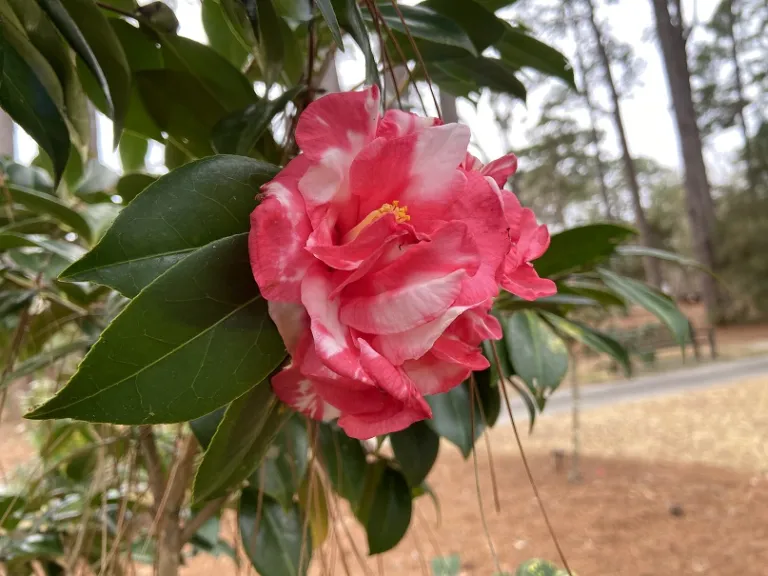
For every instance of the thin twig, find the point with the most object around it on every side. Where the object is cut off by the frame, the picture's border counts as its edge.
(106, 6)
(528, 472)
(477, 478)
(418, 56)
(376, 16)
(148, 447)
(312, 432)
(206, 513)
(486, 437)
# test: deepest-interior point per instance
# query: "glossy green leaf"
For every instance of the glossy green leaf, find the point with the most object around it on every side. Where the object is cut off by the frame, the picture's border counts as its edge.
(109, 53)
(131, 185)
(182, 211)
(133, 152)
(600, 343)
(238, 133)
(416, 450)
(70, 30)
(351, 19)
(344, 461)
(241, 442)
(42, 203)
(390, 511)
(195, 339)
(97, 184)
(222, 36)
(581, 248)
(27, 100)
(221, 80)
(452, 419)
(60, 248)
(10, 504)
(658, 304)
(480, 24)
(490, 395)
(329, 15)
(660, 254)
(272, 46)
(285, 463)
(593, 290)
(29, 177)
(274, 541)
(538, 355)
(426, 24)
(520, 50)
(464, 75)
(205, 427)
(160, 17)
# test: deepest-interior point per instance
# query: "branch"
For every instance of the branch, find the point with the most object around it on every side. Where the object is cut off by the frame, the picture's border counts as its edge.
(152, 460)
(179, 477)
(194, 524)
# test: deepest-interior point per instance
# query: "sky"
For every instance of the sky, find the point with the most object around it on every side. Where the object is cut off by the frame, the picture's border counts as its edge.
(647, 113)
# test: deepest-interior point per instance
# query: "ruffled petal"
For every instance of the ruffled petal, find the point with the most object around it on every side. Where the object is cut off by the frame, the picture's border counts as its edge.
(432, 375)
(396, 123)
(524, 282)
(500, 169)
(300, 393)
(279, 231)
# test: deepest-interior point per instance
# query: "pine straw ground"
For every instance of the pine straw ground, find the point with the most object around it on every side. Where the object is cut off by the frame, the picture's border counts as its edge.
(702, 455)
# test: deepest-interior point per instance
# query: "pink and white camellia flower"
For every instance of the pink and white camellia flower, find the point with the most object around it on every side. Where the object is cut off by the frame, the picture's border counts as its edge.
(380, 249)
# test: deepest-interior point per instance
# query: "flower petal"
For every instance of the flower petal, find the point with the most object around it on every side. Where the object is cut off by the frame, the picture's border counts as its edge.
(500, 169)
(292, 322)
(300, 393)
(396, 123)
(279, 231)
(432, 375)
(342, 120)
(523, 281)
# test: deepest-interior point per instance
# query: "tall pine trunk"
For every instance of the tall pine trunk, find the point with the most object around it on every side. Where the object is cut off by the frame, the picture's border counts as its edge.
(587, 95)
(699, 204)
(651, 265)
(751, 174)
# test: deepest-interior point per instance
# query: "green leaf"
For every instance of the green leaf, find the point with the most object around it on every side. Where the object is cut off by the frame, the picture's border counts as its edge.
(196, 338)
(446, 566)
(29, 177)
(538, 355)
(593, 290)
(351, 18)
(42, 360)
(97, 184)
(221, 80)
(42, 203)
(660, 254)
(389, 513)
(344, 461)
(538, 567)
(326, 9)
(452, 420)
(64, 250)
(285, 463)
(27, 100)
(246, 432)
(581, 248)
(490, 395)
(131, 185)
(416, 450)
(655, 302)
(74, 36)
(205, 427)
(520, 50)
(271, 40)
(480, 24)
(10, 504)
(182, 211)
(464, 75)
(238, 133)
(276, 548)
(222, 35)
(133, 152)
(426, 24)
(318, 515)
(599, 342)
(109, 53)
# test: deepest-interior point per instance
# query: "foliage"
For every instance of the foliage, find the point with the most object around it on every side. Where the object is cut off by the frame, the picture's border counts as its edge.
(149, 275)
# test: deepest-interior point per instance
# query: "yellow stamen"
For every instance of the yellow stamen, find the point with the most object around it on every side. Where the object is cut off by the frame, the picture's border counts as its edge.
(401, 215)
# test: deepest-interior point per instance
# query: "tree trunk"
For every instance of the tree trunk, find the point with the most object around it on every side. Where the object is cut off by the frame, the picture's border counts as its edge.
(651, 265)
(586, 93)
(700, 208)
(7, 147)
(169, 548)
(751, 174)
(574, 475)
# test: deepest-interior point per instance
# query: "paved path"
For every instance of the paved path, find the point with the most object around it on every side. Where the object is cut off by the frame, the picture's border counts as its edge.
(597, 395)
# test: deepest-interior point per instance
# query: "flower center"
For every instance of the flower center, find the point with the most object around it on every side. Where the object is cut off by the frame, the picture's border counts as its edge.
(401, 215)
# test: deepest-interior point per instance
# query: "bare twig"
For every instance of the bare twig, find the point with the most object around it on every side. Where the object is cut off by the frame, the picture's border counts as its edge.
(206, 513)
(528, 472)
(486, 437)
(149, 453)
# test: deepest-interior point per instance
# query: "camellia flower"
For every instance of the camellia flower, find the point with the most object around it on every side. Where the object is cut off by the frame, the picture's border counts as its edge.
(380, 249)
